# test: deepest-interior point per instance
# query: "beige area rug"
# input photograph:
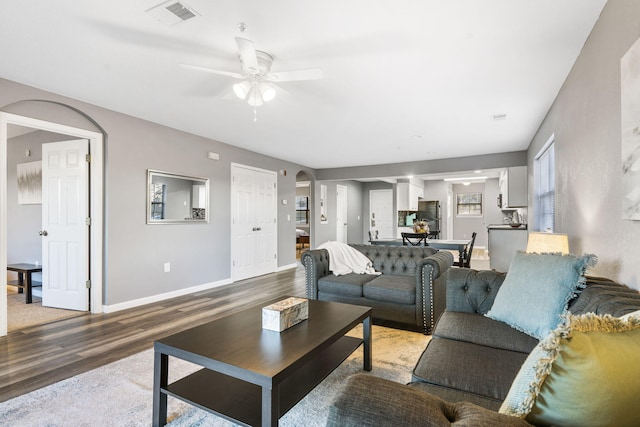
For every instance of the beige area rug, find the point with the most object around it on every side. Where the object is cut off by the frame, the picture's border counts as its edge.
(21, 315)
(120, 394)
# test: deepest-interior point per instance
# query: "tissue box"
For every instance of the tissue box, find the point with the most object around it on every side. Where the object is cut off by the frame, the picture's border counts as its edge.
(284, 314)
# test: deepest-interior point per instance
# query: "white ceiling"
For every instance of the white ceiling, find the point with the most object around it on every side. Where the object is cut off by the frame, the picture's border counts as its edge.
(404, 80)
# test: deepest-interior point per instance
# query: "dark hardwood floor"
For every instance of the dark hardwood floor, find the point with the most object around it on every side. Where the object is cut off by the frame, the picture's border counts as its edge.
(37, 356)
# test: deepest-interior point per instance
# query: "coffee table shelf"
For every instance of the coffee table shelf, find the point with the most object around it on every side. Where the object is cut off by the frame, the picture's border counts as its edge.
(240, 401)
(254, 376)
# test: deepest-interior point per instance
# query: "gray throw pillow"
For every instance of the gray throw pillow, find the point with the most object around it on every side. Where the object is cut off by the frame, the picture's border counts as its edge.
(537, 290)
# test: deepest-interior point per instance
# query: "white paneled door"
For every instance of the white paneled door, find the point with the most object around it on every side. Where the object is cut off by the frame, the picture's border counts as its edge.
(65, 229)
(342, 212)
(254, 222)
(381, 213)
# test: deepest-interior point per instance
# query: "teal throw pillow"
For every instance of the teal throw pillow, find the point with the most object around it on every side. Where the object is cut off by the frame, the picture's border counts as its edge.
(537, 289)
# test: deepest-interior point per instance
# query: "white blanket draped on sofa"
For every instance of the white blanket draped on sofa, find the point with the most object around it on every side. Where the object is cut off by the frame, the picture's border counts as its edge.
(343, 259)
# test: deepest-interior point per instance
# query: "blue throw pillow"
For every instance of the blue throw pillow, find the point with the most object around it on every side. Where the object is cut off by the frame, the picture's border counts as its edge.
(537, 289)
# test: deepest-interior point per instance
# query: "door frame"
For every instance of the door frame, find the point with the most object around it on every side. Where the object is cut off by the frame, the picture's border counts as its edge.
(96, 200)
(342, 207)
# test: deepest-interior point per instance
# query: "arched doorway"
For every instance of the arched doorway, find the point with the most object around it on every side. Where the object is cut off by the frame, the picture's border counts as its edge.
(96, 143)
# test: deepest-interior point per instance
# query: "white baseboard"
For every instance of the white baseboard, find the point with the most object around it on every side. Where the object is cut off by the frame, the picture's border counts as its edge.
(161, 297)
(173, 294)
(287, 267)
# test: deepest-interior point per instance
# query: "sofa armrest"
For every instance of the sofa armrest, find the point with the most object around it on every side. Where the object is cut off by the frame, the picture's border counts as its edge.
(430, 288)
(471, 291)
(370, 401)
(316, 265)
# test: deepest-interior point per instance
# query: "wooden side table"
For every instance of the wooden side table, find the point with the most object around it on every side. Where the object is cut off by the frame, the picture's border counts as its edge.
(25, 270)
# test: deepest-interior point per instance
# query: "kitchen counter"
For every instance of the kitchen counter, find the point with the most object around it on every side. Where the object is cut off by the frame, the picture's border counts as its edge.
(505, 227)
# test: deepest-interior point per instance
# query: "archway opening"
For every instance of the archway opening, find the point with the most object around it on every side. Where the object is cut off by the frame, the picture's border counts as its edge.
(96, 140)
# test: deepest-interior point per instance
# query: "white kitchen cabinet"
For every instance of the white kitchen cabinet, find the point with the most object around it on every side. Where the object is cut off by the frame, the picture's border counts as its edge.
(407, 196)
(513, 187)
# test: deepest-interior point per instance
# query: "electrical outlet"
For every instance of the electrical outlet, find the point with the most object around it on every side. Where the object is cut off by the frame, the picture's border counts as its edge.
(167, 267)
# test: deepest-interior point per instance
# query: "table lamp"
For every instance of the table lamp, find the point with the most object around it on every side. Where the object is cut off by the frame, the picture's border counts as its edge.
(548, 243)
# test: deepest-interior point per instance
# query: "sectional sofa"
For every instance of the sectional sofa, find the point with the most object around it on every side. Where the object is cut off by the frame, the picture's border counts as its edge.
(474, 364)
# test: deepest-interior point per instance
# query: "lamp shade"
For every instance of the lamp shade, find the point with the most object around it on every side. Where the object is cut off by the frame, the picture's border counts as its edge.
(242, 89)
(548, 243)
(267, 91)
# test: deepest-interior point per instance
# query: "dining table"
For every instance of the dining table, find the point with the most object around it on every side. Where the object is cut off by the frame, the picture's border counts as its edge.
(460, 245)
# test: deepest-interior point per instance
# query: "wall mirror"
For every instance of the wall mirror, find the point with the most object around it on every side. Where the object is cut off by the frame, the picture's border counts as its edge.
(173, 198)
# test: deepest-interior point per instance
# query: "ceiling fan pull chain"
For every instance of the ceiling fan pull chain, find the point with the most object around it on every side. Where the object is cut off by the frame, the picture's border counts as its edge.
(255, 114)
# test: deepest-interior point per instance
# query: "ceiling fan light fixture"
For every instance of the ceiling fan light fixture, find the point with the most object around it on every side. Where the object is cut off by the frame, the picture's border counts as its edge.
(267, 91)
(242, 89)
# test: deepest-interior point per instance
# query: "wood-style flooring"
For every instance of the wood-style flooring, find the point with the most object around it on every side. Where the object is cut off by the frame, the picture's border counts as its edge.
(37, 356)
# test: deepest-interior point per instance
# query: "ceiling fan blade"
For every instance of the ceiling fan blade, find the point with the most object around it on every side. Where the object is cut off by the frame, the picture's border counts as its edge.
(297, 75)
(248, 55)
(213, 71)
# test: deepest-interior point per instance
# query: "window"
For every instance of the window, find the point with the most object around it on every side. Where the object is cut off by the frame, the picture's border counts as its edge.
(545, 187)
(469, 204)
(302, 210)
(158, 195)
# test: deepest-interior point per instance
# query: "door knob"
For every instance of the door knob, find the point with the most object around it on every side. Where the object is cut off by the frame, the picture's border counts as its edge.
(43, 233)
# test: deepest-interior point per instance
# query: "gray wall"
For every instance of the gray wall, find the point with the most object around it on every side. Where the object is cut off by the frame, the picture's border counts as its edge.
(489, 161)
(585, 119)
(134, 251)
(464, 227)
(327, 232)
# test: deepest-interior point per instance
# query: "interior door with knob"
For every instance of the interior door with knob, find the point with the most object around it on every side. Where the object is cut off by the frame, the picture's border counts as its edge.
(65, 229)
(254, 222)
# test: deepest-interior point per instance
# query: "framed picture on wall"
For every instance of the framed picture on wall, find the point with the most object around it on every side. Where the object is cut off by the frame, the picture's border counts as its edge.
(29, 178)
(630, 117)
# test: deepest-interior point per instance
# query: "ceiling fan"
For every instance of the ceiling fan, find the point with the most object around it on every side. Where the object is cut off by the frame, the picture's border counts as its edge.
(257, 79)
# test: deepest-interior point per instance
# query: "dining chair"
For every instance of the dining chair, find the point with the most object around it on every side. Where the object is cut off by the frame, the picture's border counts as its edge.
(466, 261)
(414, 239)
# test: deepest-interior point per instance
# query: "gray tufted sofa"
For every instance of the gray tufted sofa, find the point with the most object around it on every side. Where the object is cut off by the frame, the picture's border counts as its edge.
(408, 292)
(467, 368)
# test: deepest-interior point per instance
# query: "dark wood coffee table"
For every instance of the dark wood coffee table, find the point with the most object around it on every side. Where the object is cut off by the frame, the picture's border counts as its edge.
(253, 376)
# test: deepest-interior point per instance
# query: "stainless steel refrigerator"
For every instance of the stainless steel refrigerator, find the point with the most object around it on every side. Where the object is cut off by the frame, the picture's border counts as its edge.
(429, 210)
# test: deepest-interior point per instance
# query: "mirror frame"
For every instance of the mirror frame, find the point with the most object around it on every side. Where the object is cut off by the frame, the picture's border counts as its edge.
(194, 179)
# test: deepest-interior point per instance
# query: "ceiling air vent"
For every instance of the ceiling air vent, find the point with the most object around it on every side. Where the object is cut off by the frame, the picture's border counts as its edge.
(172, 12)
